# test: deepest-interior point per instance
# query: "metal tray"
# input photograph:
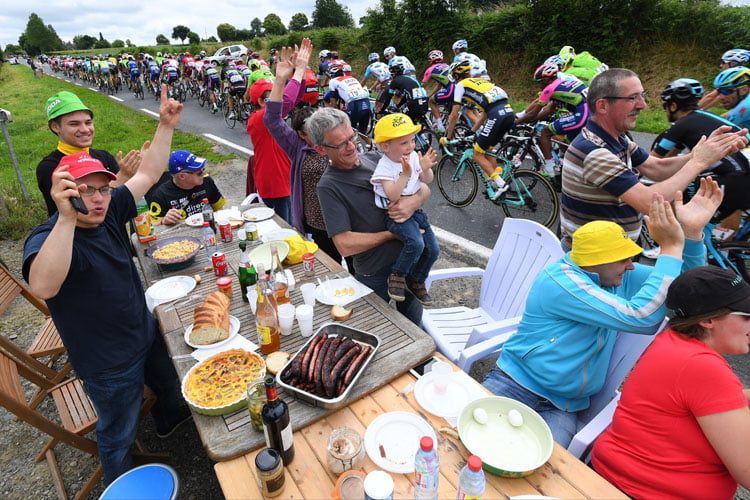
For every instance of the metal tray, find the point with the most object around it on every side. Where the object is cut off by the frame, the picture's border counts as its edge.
(332, 329)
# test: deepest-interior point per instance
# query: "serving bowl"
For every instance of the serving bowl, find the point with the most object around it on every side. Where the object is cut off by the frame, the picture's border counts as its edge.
(175, 263)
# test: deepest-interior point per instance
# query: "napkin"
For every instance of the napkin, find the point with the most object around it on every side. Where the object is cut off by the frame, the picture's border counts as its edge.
(326, 290)
(266, 226)
(237, 342)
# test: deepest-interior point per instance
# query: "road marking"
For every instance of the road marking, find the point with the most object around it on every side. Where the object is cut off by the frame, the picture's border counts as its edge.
(242, 149)
(156, 115)
(116, 98)
(468, 247)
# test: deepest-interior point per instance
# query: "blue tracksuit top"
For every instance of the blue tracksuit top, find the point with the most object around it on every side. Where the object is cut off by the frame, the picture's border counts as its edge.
(565, 339)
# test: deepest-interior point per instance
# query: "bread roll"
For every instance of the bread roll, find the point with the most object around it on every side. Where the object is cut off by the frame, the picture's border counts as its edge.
(276, 361)
(211, 320)
(338, 313)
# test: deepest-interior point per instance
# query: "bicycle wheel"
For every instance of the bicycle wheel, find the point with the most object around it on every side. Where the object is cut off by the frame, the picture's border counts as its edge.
(458, 182)
(230, 118)
(532, 197)
(521, 155)
(738, 255)
(426, 139)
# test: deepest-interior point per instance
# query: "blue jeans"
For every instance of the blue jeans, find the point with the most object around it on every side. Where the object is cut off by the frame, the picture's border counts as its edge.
(282, 206)
(420, 251)
(378, 281)
(561, 423)
(117, 397)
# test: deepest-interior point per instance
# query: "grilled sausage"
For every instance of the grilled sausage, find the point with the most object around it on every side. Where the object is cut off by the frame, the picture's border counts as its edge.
(328, 366)
(339, 369)
(305, 361)
(356, 365)
(314, 357)
(318, 373)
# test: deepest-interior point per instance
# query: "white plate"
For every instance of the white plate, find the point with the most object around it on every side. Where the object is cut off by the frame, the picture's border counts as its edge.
(326, 293)
(234, 327)
(195, 220)
(398, 432)
(446, 405)
(171, 288)
(262, 254)
(258, 213)
(279, 234)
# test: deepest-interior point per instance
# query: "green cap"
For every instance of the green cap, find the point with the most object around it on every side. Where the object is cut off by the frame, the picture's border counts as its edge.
(63, 103)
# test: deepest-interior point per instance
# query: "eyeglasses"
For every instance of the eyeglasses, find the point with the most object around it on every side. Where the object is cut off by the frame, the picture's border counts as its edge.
(632, 98)
(726, 91)
(343, 145)
(104, 191)
(197, 172)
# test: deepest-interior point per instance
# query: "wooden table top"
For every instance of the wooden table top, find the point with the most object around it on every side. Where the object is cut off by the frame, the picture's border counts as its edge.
(563, 476)
(403, 344)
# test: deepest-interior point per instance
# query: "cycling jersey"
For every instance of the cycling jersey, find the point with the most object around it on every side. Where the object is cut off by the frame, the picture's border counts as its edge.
(740, 114)
(585, 67)
(379, 70)
(479, 92)
(212, 77)
(478, 66)
(259, 74)
(246, 72)
(172, 73)
(414, 103)
(346, 88)
(312, 89)
(408, 66)
(134, 70)
(500, 119)
(103, 67)
(568, 93)
(439, 73)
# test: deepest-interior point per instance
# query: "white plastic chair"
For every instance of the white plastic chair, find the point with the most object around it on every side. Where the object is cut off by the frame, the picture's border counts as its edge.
(522, 249)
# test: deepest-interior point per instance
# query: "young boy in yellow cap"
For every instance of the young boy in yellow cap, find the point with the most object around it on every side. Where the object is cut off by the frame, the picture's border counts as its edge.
(399, 173)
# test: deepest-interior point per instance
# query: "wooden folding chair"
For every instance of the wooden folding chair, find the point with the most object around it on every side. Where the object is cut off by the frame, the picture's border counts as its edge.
(75, 410)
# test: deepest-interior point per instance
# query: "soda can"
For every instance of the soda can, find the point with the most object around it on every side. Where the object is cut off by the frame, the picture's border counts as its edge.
(219, 261)
(251, 231)
(308, 261)
(224, 284)
(225, 230)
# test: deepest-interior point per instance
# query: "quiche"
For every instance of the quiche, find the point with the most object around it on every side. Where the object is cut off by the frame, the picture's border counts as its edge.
(219, 383)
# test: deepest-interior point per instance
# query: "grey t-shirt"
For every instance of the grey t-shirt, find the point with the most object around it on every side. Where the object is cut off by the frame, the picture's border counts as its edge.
(348, 204)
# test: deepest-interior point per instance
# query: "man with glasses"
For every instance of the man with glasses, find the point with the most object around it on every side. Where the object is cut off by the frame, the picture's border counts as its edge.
(356, 225)
(80, 264)
(733, 87)
(181, 198)
(602, 166)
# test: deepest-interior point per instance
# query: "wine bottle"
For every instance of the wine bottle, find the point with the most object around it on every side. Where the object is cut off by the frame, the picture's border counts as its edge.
(276, 426)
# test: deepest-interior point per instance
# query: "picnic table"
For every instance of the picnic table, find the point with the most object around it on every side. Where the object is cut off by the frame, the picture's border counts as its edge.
(403, 344)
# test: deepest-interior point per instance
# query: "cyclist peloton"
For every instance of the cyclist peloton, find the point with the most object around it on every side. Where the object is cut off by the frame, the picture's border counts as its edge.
(680, 102)
(356, 100)
(559, 91)
(730, 59)
(442, 90)
(497, 119)
(733, 86)
(478, 65)
(237, 85)
(408, 94)
(382, 74)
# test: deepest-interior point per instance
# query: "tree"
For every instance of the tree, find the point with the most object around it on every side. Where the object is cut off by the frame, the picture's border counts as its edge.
(12, 49)
(83, 42)
(161, 40)
(257, 27)
(180, 32)
(273, 26)
(102, 44)
(212, 39)
(299, 22)
(226, 32)
(193, 38)
(331, 14)
(128, 43)
(39, 38)
(118, 44)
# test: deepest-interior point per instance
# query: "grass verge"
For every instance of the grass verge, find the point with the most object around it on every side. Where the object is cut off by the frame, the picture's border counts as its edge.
(118, 128)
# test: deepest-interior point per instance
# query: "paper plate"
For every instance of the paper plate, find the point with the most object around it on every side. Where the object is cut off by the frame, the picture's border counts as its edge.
(262, 254)
(338, 292)
(278, 234)
(258, 213)
(449, 404)
(234, 327)
(171, 288)
(195, 220)
(392, 440)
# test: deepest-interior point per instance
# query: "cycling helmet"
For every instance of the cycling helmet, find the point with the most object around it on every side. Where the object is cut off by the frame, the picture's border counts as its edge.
(333, 54)
(567, 50)
(397, 69)
(334, 70)
(254, 55)
(732, 78)
(373, 57)
(556, 59)
(254, 64)
(389, 51)
(545, 71)
(460, 45)
(684, 91)
(459, 68)
(346, 68)
(274, 51)
(187, 54)
(737, 56)
(203, 52)
(158, 54)
(323, 54)
(435, 56)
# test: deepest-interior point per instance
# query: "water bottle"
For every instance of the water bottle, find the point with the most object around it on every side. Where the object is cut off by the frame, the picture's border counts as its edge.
(208, 214)
(426, 471)
(471, 480)
(209, 240)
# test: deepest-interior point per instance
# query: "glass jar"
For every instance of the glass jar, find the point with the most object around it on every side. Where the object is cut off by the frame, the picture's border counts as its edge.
(345, 450)
(256, 398)
(270, 470)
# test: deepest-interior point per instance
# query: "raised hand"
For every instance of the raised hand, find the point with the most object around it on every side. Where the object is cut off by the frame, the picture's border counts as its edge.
(698, 211)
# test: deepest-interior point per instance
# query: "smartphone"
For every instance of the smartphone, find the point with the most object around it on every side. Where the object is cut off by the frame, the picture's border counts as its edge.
(79, 205)
(424, 367)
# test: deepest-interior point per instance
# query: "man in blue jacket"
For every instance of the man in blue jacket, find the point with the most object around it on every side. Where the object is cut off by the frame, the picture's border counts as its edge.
(559, 356)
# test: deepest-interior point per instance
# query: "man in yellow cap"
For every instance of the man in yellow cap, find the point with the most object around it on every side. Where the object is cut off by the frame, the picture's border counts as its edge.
(559, 356)
(73, 124)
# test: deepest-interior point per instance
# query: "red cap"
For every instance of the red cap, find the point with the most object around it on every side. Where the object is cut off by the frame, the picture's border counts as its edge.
(81, 164)
(475, 463)
(426, 443)
(258, 88)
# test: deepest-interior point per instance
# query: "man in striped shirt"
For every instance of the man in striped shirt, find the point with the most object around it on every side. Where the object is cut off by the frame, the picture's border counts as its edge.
(602, 166)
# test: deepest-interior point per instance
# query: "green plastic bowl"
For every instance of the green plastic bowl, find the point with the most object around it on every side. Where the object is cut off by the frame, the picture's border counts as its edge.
(506, 450)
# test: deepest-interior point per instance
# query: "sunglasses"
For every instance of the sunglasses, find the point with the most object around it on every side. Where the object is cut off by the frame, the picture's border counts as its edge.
(726, 91)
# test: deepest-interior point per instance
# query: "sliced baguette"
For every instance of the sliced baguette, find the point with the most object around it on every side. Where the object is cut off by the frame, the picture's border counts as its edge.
(208, 335)
(276, 361)
(338, 313)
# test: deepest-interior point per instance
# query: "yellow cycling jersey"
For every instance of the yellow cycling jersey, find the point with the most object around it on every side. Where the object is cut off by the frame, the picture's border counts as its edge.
(479, 92)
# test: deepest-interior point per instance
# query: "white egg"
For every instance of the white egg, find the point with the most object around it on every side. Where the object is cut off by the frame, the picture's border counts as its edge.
(480, 415)
(515, 418)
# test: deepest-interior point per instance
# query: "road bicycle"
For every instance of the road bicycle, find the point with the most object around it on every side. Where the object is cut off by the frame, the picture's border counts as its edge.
(731, 253)
(138, 89)
(240, 113)
(530, 195)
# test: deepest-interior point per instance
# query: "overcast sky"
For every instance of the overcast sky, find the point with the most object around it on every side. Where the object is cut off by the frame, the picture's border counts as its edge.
(140, 21)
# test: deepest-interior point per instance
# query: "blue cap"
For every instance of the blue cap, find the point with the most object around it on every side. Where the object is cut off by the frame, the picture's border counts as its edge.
(185, 160)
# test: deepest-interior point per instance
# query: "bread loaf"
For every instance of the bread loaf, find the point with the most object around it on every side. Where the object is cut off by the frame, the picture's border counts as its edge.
(211, 320)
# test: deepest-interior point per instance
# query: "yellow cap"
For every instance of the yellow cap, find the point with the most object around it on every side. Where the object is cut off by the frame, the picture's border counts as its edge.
(601, 242)
(394, 126)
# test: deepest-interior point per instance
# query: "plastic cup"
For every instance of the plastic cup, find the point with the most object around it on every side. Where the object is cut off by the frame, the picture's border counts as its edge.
(305, 319)
(252, 298)
(308, 293)
(286, 318)
(441, 372)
